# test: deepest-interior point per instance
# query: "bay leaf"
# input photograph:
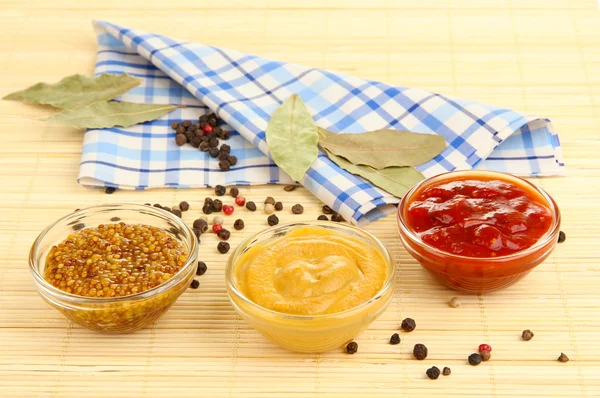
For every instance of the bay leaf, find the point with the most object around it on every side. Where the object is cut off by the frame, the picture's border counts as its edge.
(110, 114)
(385, 148)
(292, 137)
(395, 180)
(76, 90)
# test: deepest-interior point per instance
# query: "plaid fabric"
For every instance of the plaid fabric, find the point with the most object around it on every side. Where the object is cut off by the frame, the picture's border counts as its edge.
(244, 90)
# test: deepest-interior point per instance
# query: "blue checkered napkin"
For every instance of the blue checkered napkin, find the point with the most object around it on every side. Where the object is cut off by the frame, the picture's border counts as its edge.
(244, 90)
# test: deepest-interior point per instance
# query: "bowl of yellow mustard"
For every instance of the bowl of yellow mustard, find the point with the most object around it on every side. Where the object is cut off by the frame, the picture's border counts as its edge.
(310, 286)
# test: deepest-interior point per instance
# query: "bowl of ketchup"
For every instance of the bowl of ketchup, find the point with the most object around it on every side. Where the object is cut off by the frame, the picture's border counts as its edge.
(478, 231)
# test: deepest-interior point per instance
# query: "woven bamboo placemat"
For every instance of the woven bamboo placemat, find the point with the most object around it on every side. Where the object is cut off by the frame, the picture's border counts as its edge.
(537, 56)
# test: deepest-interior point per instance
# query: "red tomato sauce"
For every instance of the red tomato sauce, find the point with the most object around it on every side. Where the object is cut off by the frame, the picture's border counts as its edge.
(479, 218)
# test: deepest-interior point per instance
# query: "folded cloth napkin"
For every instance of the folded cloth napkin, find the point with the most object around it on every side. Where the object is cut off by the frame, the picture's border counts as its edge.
(245, 89)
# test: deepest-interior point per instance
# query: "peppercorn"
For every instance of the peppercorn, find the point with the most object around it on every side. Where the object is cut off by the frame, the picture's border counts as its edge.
(563, 358)
(337, 217)
(272, 220)
(446, 371)
(196, 126)
(204, 147)
(157, 205)
(454, 302)
(278, 206)
(213, 143)
(234, 192)
(251, 206)
(270, 200)
(217, 205)
(203, 118)
(433, 373)
(212, 121)
(420, 351)
(327, 210)
(195, 142)
(216, 228)
(224, 234)
(225, 148)
(352, 347)
(175, 125)
(217, 130)
(228, 209)
(224, 165)
(207, 129)
(207, 208)
(408, 325)
(190, 137)
(180, 130)
(475, 359)
(208, 200)
(240, 201)
(289, 188)
(177, 212)
(232, 160)
(322, 217)
(224, 135)
(145, 204)
(395, 339)
(562, 237)
(213, 152)
(201, 270)
(195, 284)
(485, 355)
(220, 190)
(197, 233)
(200, 134)
(115, 219)
(201, 225)
(184, 206)
(269, 208)
(238, 224)
(223, 156)
(186, 123)
(218, 220)
(180, 139)
(297, 209)
(110, 190)
(223, 247)
(527, 335)
(167, 208)
(484, 347)
(78, 226)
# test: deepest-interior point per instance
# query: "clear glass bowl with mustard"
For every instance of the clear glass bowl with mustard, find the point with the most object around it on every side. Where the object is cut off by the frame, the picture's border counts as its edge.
(310, 286)
(114, 268)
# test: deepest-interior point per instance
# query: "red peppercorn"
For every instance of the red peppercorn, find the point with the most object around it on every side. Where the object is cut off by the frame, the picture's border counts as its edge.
(216, 228)
(240, 201)
(208, 129)
(228, 209)
(485, 347)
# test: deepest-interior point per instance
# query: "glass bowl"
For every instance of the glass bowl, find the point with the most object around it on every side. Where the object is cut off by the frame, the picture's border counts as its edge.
(304, 333)
(120, 314)
(473, 274)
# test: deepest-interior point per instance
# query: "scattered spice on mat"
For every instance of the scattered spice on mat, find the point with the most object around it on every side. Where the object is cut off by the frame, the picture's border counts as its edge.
(352, 347)
(240, 201)
(228, 209)
(207, 208)
(201, 225)
(475, 359)
(485, 355)
(251, 206)
(201, 270)
(224, 234)
(447, 371)
(216, 228)
(234, 192)
(337, 217)
(563, 357)
(454, 302)
(220, 190)
(184, 206)
(395, 339)
(223, 247)
(195, 284)
(269, 208)
(238, 224)
(297, 209)
(289, 188)
(269, 200)
(217, 205)
(527, 335)
(218, 220)
(278, 206)
(433, 373)
(408, 325)
(273, 220)
(322, 217)
(110, 190)
(420, 351)
(562, 237)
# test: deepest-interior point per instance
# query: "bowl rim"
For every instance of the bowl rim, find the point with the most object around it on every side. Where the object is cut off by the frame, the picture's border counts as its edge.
(376, 243)
(163, 287)
(407, 232)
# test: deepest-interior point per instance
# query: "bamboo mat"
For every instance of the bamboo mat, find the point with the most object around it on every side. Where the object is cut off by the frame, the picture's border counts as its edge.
(537, 56)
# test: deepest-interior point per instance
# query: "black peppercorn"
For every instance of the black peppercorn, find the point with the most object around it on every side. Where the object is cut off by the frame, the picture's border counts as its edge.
(213, 152)
(224, 135)
(115, 219)
(180, 130)
(212, 121)
(474, 359)
(217, 205)
(78, 226)
(270, 201)
(408, 325)
(289, 188)
(527, 335)
(234, 192)
(224, 165)
(220, 190)
(238, 224)
(224, 234)
(278, 206)
(225, 148)
(223, 247)
(186, 123)
(195, 142)
(213, 142)
(272, 220)
(190, 137)
(203, 118)
(195, 284)
(197, 233)
(562, 237)
(201, 270)
(110, 190)
(207, 208)
(323, 217)
(200, 225)
(233, 160)
(433, 373)
(196, 126)
(157, 205)
(180, 139)
(446, 371)
(204, 146)
(297, 209)
(224, 156)
(184, 206)
(208, 200)
(177, 213)
(327, 209)
(337, 217)
(352, 347)
(395, 339)
(251, 206)
(217, 130)
(563, 358)
(174, 125)
(420, 351)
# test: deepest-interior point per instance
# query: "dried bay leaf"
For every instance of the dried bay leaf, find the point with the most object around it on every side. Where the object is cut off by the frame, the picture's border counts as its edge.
(292, 137)
(384, 148)
(395, 180)
(110, 114)
(76, 90)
